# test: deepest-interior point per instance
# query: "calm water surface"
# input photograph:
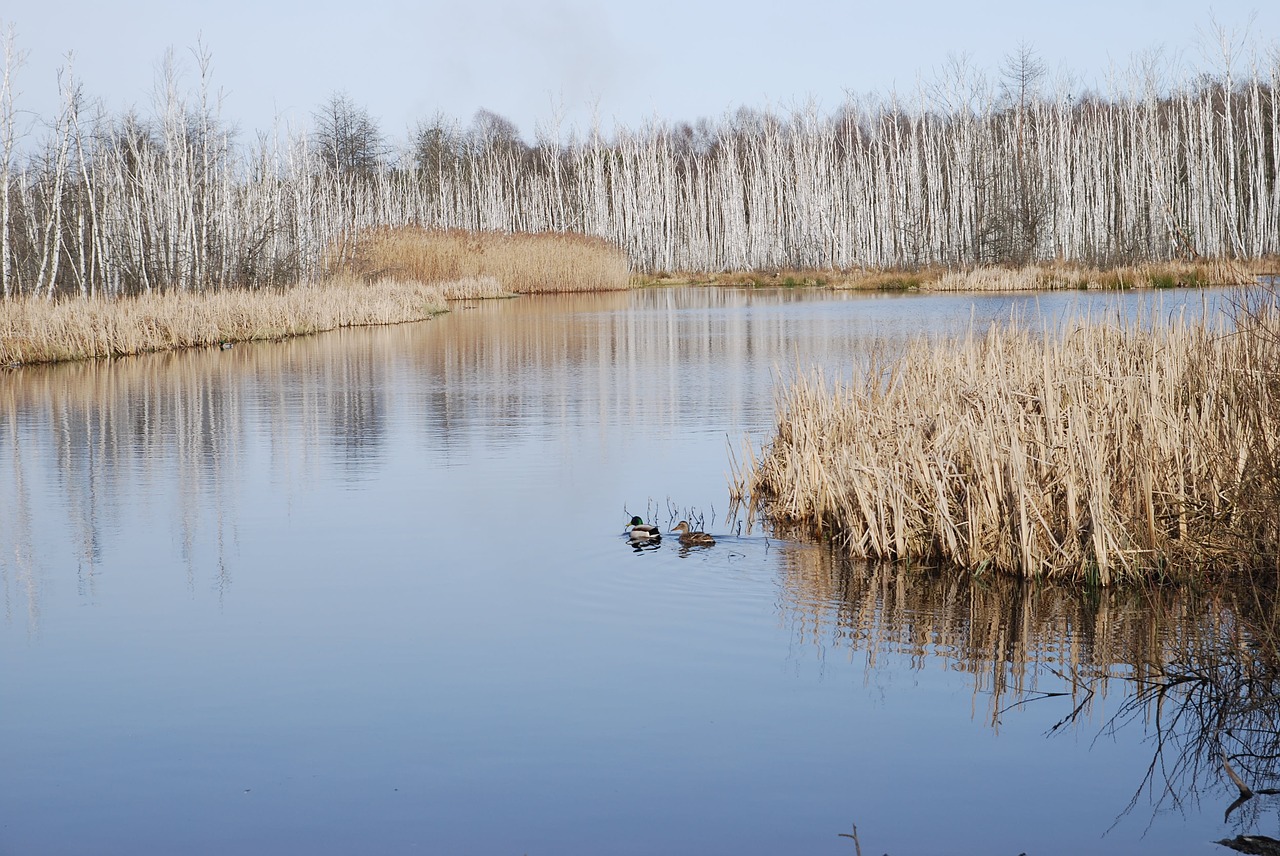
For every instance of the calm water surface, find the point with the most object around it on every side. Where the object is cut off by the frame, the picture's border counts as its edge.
(368, 592)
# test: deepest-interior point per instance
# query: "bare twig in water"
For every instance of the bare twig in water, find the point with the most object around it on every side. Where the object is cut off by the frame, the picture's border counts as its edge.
(1246, 793)
(857, 846)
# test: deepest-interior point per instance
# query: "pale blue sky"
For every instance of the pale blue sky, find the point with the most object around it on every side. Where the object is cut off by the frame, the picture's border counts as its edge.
(626, 61)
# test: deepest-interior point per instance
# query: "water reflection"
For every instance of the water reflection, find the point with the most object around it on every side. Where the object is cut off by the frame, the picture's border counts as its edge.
(1211, 709)
(1012, 637)
(647, 546)
(1195, 672)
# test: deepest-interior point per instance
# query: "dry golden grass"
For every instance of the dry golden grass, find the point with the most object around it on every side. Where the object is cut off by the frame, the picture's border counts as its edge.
(1102, 454)
(36, 331)
(523, 263)
(1042, 277)
(1171, 274)
(397, 275)
(773, 277)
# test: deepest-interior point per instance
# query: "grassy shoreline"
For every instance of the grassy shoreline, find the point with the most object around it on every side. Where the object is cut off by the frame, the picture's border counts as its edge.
(39, 331)
(1047, 276)
(383, 276)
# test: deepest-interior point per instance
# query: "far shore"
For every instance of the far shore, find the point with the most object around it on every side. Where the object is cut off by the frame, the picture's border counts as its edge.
(1045, 276)
(405, 275)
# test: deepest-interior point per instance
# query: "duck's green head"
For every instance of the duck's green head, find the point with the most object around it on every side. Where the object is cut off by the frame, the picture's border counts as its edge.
(636, 521)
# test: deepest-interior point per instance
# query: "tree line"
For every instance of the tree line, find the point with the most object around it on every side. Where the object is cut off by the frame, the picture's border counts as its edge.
(965, 171)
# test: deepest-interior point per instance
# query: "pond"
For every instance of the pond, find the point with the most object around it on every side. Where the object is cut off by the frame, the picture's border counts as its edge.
(370, 592)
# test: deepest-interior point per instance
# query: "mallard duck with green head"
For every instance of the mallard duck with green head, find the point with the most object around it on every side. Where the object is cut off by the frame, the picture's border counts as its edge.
(641, 531)
(690, 538)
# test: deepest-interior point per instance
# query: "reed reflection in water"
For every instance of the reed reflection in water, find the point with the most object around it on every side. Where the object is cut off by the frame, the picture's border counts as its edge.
(1192, 673)
(1014, 638)
(252, 595)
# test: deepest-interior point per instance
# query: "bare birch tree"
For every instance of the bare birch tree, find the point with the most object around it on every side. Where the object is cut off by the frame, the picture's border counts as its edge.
(347, 137)
(13, 60)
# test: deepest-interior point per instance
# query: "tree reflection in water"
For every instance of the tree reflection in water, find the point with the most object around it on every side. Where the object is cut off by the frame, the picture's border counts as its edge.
(1199, 668)
(1212, 713)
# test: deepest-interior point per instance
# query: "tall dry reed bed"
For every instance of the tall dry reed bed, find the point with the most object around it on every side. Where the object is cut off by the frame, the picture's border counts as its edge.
(1046, 276)
(524, 263)
(1061, 275)
(34, 330)
(1104, 453)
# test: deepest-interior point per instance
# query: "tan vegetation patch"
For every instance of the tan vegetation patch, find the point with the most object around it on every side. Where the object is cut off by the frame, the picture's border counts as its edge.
(770, 278)
(33, 330)
(1169, 274)
(1038, 277)
(522, 262)
(1103, 454)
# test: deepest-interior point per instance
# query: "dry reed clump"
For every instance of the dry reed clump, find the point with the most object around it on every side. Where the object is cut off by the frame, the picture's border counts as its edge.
(1169, 274)
(857, 278)
(522, 262)
(1102, 454)
(1037, 277)
(35, 331)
